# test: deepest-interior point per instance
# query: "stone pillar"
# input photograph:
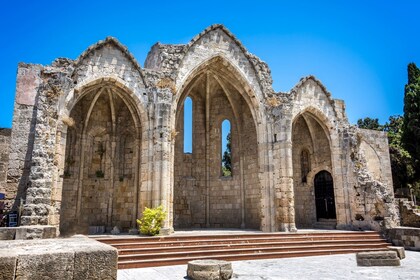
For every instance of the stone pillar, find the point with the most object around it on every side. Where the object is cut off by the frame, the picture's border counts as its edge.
(162, 188)
(22, 138)
(39, 206)
(286, 192)
(4, 163)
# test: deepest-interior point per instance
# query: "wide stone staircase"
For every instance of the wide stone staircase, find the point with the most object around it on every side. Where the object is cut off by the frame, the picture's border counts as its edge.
(136, 252)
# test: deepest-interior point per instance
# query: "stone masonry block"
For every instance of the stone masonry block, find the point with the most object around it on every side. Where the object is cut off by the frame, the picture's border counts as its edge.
(95, 261)
(209, 269)
(7, 265)
(377, 258)
(45, 265)
(7, 233)
(66, 258)
(399, 250)
(35, 232)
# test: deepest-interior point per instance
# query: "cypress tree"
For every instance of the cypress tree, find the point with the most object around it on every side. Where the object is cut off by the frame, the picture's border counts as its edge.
(411, 124)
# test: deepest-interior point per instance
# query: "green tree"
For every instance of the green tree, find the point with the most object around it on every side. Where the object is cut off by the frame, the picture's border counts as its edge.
(368, 123)
(411, 123)
(227, 158)
(401, 162)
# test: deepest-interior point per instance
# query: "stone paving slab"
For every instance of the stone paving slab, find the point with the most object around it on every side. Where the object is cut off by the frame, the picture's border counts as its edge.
(322, 267)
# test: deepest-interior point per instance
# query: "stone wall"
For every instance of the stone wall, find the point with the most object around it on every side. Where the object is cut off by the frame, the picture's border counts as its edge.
(407, 237)
(97, 139)
(233, 201)
(373, 205)
(23, 134)
(410, 214)
(4, 162)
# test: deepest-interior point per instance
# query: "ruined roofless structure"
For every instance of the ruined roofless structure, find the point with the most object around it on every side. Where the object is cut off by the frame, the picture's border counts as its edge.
(97, 139)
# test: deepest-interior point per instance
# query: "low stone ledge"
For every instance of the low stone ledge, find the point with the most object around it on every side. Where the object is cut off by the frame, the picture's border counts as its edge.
(7, 265)
(407, 237)
(378, 258)
(28, 232)
(7, 233)
(209, 269)
(399, 250)
(78, 257)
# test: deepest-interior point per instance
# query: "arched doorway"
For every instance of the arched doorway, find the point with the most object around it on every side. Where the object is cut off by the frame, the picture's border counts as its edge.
(205, 194)
(324, 196)
(311, 153)
(102, 159)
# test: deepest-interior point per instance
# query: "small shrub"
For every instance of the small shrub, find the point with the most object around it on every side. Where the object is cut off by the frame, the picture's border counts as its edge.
(151, 221)
(99, 174)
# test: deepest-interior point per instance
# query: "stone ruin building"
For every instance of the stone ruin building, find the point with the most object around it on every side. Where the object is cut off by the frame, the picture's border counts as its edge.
(97, 139)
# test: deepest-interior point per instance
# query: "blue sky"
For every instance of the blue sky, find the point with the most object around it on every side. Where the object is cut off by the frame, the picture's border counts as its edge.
(358, 49)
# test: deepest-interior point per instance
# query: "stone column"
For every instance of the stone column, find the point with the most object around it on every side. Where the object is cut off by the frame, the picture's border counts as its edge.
(39, 207)
(22, 138)
(162, 157)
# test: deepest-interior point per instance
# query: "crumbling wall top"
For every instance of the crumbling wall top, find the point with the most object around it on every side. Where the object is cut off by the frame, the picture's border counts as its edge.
(115, 43)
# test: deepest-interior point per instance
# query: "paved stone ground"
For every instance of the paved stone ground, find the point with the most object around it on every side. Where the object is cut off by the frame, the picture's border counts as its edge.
(322, 267)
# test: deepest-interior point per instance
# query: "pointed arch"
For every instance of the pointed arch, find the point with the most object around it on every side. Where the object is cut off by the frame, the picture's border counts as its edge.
(114, 44)
(228, 72)
(219, 92)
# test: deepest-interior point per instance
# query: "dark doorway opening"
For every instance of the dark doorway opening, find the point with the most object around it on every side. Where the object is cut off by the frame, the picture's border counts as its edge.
(324, 196)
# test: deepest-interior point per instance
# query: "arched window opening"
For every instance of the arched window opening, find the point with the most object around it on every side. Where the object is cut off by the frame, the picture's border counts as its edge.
(226, 149)
(188, 125)
(304, 165)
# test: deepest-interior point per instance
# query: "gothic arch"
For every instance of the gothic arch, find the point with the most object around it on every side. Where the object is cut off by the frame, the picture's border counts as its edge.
(218, 93)
(102, 159)
(311, 131)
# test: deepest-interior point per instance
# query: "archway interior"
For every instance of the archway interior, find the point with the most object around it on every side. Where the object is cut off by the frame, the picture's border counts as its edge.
(205, 195)
(311, 153)
(100, 181)
(324, 196)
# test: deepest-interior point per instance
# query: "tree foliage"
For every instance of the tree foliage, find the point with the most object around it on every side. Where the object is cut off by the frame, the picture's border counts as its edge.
(368, 123)
(227, 158)
(411, 123)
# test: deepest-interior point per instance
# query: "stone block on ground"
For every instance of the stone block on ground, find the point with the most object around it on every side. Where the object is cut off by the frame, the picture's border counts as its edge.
(7, 265)
(66, 258)
(95, 261)
(399, 250)
(45, 265)
(35, 232)
(378, 258)
(7, 233)
(209, 269)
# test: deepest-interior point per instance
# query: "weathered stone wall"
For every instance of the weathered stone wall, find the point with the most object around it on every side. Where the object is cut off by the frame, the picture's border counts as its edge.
(407, 237)
(97, 139)
(372, 201)
(106, 173)
(409, 213)
(233, 201)
(22, 138)
(4, 162)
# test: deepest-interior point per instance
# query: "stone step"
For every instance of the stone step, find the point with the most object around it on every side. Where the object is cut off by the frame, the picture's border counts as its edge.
(170, 250)
(162, 241)
(235, 257)
(239, 251)
(200, 247)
